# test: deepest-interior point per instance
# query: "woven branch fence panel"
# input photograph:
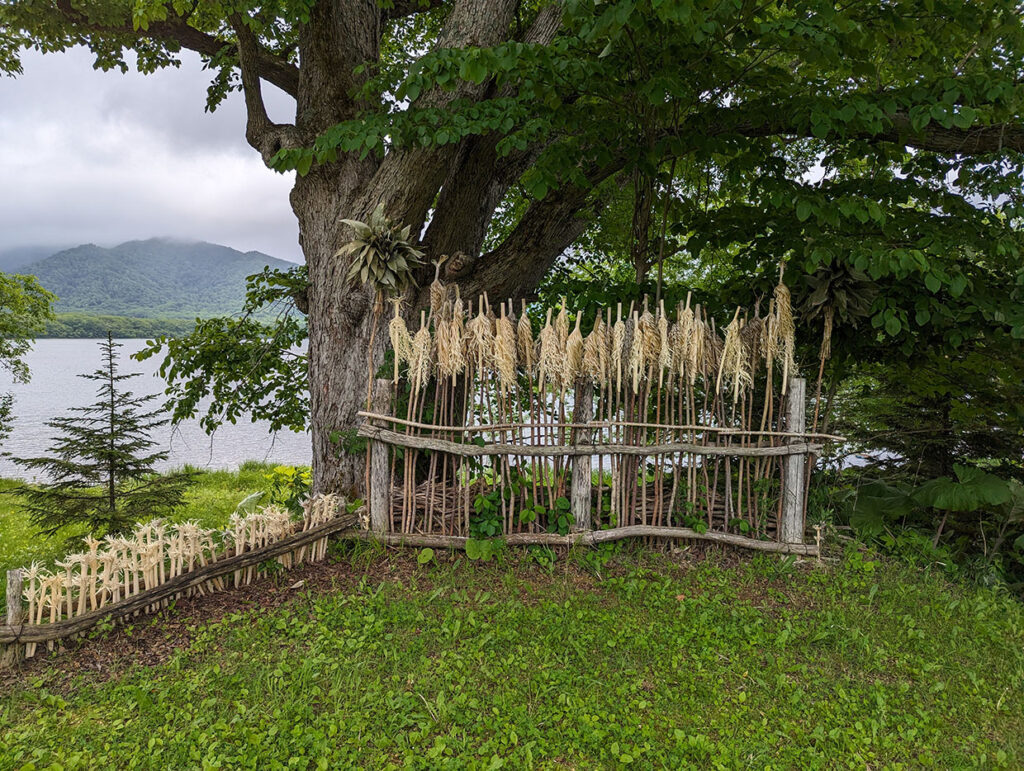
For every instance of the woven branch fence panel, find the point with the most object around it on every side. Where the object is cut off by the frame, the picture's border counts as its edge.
(639, 418)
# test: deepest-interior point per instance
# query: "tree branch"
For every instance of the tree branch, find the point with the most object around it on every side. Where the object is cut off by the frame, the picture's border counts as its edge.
(546, 230)
(402, 8)
(408, 178)
(972, 141)
(478, 179)
(265, 136)
(933, 138)
(272, 68)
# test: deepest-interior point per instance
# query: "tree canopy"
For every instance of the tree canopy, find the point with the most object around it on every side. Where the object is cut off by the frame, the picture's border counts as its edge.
(25, 307)
(873, 143)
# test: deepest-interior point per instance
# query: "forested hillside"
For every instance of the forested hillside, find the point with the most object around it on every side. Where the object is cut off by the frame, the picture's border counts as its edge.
(87, 325)
(156, 278)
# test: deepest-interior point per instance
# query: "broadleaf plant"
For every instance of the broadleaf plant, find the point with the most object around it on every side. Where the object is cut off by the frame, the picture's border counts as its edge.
(383, 254)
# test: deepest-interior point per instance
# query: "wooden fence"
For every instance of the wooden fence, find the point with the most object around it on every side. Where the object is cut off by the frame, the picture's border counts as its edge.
(536, 490)
(645, 426)
(498, 425)
(142, 573)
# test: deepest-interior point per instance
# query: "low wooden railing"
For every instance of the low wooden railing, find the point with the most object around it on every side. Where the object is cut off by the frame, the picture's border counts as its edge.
(21, 633)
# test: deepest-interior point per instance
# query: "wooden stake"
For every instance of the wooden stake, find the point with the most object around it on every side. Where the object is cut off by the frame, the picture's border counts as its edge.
(380, 487)
(791, 527)
(583, 412)
(12, 653)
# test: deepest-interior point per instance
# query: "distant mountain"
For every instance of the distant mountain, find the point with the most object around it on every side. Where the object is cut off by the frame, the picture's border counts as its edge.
(157, 278)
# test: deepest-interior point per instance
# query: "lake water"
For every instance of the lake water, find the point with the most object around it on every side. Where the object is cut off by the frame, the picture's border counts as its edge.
(55, 387)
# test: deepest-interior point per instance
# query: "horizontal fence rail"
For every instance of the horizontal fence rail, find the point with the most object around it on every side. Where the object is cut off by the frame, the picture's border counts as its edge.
(471, 450)
(594, 424)
(592, 538)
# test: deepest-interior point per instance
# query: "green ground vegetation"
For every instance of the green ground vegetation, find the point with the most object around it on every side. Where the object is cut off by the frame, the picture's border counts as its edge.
(599, 660)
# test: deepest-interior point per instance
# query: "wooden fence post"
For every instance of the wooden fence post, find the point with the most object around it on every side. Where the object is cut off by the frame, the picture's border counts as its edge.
(379, 494)
(14, 614)
(582, 465)
(791, 527)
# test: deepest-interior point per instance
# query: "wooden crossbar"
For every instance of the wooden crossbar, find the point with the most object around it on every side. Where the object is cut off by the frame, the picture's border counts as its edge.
(472, 450)
(591, 538)
(597, 424)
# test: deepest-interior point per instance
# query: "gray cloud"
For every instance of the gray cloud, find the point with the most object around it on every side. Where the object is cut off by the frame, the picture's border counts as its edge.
(88, 156)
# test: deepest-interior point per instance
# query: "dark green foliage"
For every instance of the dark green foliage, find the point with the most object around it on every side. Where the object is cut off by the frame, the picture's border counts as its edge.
(100, 472)
(943, 437)
(25, 308)
(84, 325)
(6, 406)
(290, 487)
(940, 409)
(158, 278)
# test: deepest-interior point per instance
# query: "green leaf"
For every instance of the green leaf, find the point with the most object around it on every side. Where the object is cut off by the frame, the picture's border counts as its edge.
(474, 70)
(474, 549)
(964, 117)
(425, 556)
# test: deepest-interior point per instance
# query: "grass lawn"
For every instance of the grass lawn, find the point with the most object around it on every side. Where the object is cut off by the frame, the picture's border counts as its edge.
(210, 501)
(602, 661)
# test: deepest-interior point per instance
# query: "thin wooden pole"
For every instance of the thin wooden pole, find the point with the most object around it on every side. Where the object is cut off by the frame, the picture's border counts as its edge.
(791, 528)
(380, 486)
(583, 412)
(14, 615)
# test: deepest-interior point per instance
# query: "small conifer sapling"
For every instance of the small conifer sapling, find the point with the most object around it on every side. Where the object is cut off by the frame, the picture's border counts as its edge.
(101, 471)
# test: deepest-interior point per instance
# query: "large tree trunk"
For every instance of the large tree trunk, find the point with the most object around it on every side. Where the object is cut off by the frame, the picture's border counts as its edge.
(337, 374)
(339, 320)
(341, 316)
(458, 186)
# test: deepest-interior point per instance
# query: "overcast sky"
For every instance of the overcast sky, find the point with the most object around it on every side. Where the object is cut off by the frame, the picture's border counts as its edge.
(102, 157)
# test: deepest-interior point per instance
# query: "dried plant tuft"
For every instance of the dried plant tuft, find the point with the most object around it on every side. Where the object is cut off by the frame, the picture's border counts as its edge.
(525, 343)
(573, 368)
(401, 340)
(618, 337)
(505, 352)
